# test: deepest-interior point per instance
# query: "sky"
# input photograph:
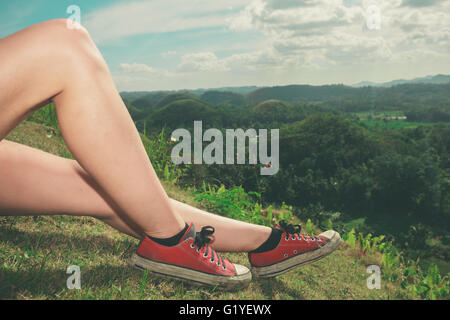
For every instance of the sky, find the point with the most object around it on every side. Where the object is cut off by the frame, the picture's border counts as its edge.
(189, 44)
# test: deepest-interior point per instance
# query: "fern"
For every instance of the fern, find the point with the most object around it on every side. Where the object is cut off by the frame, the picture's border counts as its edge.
(351, 238)
(309, 227)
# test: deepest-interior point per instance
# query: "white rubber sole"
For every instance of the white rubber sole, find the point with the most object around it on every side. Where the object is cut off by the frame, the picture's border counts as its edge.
(241, 280)
(301, 259)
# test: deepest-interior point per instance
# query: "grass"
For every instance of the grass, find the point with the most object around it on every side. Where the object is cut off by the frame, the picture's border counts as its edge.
(388, 120)
(378, 114)
(396, 124)
(35, 253)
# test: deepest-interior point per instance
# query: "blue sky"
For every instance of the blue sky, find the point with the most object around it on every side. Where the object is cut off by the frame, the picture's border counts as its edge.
(181, 44)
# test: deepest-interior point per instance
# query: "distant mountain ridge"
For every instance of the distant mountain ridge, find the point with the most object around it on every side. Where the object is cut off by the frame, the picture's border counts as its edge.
(245, 90)
(429, 91)
(433, 79)
(133, 95)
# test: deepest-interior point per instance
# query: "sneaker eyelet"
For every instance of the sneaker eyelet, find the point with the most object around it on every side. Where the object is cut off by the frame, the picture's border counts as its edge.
(211, 260)
(295, 251)
(286, 238)
(192, 245)
(293, 238)
(205, 255)
(198, 250)
(285, 255)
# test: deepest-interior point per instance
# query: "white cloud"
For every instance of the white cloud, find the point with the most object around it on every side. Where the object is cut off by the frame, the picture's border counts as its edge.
(136, 68)
(246, 19)
(143, 17)
(299, 40)
(202, 61)
(332, 32)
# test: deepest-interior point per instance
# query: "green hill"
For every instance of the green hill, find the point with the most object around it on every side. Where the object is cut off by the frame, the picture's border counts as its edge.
(439, 79)
(36, 251)
(406, 97)
(346, 98)
(135, 113)
(149, 101)
(223, 97)
(271, 110)
(300, 93)
(175, 97)
(181, 113)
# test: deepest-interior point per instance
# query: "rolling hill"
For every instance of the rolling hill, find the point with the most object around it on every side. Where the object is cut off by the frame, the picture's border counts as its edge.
(436, 79)
(182, 114)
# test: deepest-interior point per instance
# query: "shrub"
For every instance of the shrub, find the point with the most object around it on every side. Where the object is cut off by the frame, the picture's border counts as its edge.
(234, 203)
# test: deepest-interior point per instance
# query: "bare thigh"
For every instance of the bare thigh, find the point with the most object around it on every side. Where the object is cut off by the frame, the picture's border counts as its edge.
(33, 66)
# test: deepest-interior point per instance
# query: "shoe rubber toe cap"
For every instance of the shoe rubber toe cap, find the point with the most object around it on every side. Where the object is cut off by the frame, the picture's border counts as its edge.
(240, 270)
(330, 234)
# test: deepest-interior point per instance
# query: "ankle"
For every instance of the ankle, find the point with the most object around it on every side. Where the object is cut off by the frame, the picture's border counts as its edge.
(162, 232)
(270, 242)
(171, 240)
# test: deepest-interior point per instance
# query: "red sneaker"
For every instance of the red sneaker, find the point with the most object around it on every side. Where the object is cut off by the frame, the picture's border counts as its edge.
(293, 250)
(192, 259)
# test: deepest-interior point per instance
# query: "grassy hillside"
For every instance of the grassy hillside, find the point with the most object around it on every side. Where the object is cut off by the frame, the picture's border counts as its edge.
(223, 97)
(350, 99)
(299, 93)
(271, 110)
(35, 253)
(182, 114)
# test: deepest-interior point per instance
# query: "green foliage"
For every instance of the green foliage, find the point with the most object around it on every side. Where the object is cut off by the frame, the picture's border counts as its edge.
(369, 243)
(394, 124)
(431, 285)
(159, 149)
(391, 262)
(309, 228)
(272, 110)
(234, 203)
(423, 284)
(46, 115)
(269, 215)
(182, 114)
(283, 214)
(318, 215)
(222, 97)
(297, 93)
(416, 237)
(350, 238)
(329, 224)
(430, 114)
(168, 99)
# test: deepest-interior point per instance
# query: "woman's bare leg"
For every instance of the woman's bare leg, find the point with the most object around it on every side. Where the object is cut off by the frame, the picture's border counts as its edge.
(230, 235)
(51, 61)
(35, 182)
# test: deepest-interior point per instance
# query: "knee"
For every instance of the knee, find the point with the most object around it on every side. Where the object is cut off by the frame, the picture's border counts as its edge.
(74, 42)
(64, 26)
(6, 156)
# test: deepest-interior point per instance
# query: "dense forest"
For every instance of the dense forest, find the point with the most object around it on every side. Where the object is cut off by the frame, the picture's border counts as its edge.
(374, 154)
